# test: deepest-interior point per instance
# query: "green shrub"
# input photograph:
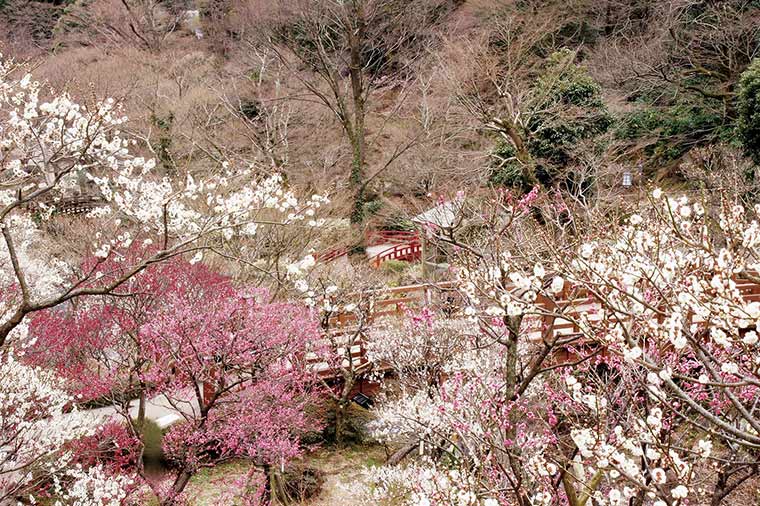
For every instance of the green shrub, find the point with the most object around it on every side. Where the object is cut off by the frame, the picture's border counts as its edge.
(153, 435)
(748, 109)
(576, 112)
(394, 266)
(505, 170)
(673, 130)
(356, 422)
(564, 81)
(250, 109)
(569, 111)
(398, 221)
(298, 483)
(371, 207)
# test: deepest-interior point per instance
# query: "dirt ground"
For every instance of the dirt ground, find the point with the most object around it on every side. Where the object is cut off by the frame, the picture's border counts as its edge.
(342, 468)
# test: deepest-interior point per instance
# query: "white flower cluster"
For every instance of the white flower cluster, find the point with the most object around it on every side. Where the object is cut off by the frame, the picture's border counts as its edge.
(425, 484)
(590, 400)
(507, 289)
(625, 462)
(33, 409)
(45, 275)
(409, 416)
(667, 304)
(420, 350)
(91, 487)
(54, 146)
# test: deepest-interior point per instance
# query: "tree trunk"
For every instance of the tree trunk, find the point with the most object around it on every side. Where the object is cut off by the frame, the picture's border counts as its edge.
(10, 324)
(513, 324)
(356, 34)
(401, 453)
(140, 421)
(269, 495)
(340, 421)
(719, 491)
(511, 379)
(510, 132)
(357, 175)
(349, 380)
(177, 488)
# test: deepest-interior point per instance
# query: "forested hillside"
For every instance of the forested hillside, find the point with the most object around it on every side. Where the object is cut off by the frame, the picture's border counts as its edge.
(390, 100)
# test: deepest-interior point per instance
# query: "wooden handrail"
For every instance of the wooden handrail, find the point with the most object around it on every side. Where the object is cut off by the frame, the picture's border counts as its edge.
(376, 237)
(330, 255)
(409, 251)
(403, 298)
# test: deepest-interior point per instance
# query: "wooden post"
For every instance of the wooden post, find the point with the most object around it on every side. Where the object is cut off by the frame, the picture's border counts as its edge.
(423, 251)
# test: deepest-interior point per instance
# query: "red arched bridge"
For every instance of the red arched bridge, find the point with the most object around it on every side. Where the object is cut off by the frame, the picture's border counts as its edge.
(381, 246)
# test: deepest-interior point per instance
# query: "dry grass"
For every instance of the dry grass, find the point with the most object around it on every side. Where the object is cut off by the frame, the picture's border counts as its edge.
(342, 468)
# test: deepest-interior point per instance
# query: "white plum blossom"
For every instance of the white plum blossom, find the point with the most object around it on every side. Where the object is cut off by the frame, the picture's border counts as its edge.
(92, 487)
(666, 301)
(704, 447)
(196, 258)
(557, 284)
(730, 368)
(56, 148)
(54, 151)
(33, 408)
(680, 492)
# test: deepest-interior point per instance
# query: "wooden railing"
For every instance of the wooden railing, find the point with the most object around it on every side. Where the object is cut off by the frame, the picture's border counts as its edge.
(566, 324)
(444, 298)
(405, 246)
(76, 205)
(383, 303)
(409, 252)
(328, 256)
(376, 237)
(398, 300)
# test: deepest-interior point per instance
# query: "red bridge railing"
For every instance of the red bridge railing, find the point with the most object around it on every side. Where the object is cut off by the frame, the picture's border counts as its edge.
(409, 252)
(376, 237)
(330, 255)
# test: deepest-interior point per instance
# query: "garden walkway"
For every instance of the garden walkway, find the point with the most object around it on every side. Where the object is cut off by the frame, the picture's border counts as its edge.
(158, 410)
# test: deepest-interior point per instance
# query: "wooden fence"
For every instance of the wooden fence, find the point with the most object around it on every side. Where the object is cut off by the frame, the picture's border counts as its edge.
(444, 298)
(389, 302)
